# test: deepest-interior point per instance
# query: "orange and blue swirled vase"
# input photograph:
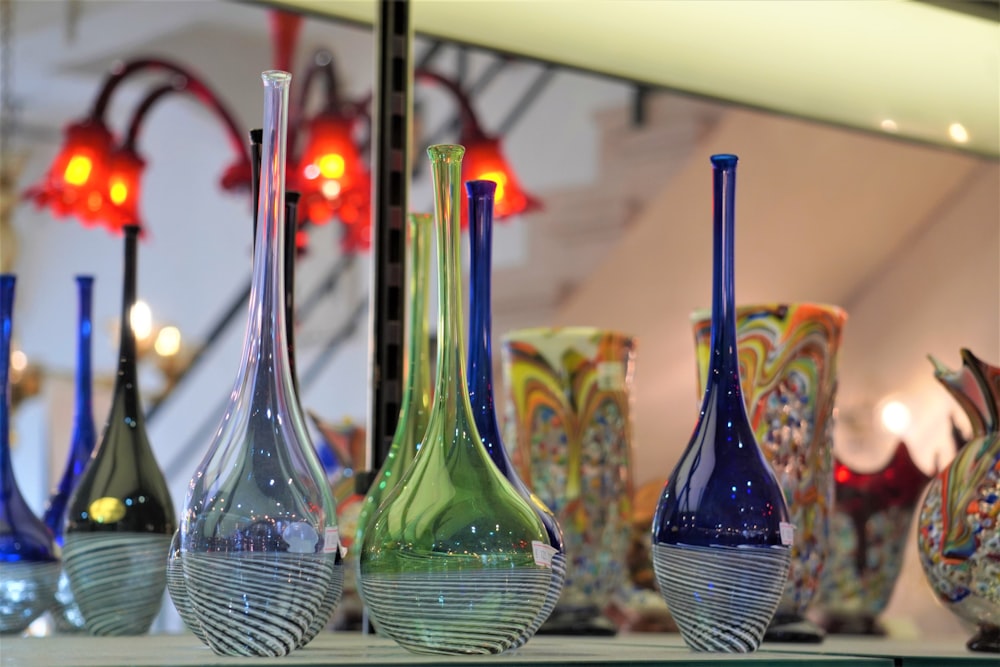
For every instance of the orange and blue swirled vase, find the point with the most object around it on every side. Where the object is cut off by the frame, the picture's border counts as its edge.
(958, 529)
(788, 370)
(569, 413)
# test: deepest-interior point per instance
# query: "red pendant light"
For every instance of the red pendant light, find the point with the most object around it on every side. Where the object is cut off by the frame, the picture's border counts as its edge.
(124, 192)
(77, 182)
(329, 168)
(484, 161)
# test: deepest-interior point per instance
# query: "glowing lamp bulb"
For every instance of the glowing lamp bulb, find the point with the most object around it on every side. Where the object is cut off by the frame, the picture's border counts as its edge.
(895, 417)
(498, 177)
(168, 342)
(78, 170)
(141, 319)
(331, 165)
(118, 192)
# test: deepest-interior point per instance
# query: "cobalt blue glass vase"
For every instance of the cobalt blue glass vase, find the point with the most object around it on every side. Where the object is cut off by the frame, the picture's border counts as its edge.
(66, 613)
(29, 566)
(480, 381)
(721, 533)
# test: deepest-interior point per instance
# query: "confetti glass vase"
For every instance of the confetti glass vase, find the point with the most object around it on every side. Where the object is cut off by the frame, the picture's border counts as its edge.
(259, 546)
(120, 517)
(721, 532)
(66, 613)
(788, 369)
(958, 526)
(451, 562)
(29, 564)
(481, 197)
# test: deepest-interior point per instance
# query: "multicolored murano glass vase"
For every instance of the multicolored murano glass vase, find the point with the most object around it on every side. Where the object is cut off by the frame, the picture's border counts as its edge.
(66, 613)
(568, 410)
(481, 196)
(259, 545)
(29, 561)
(788, 370)
(451, 561)
(721, 533)
(120, 517)
(958, 529)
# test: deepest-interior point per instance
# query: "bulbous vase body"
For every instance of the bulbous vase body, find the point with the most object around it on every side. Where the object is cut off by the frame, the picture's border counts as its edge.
(958, 532)
(721, 533)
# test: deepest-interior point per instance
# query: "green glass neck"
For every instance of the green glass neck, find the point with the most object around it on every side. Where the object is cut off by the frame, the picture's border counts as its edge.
(450, 385)
(417, 381)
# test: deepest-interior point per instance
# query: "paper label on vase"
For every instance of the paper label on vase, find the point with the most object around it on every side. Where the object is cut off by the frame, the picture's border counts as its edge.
(331, 541)
(787, 532)
(543, 553)
(610, 375)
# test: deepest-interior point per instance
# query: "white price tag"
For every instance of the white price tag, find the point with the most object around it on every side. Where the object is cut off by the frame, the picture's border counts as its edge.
(331, 541)
(610, 375)
(543, 553)
(787, 532)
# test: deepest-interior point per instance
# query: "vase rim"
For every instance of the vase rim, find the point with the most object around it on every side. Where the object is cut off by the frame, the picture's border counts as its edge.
(580, 331)
(704, 314)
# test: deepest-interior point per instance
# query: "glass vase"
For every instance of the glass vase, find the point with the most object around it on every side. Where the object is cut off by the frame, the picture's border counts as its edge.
(481, 197)
(415, 405)
(449, 563)
(788, 369)
(29, 564)
(958, 534)
(120, 517)
(66, 613)
(259, 543)
(721, 532)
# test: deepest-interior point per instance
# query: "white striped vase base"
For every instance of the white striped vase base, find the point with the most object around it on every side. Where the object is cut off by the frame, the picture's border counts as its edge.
(256, 604)
(330, 602)
(66, 614)
(178, 595)
(117, 579)
(27, 591)
(551, 598)
(464, 612)
(721, 597)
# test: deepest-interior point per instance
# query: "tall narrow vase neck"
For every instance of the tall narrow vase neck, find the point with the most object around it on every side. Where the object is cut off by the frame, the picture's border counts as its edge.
(84, 408)
(7, 483)
(446, 162)
(724, 362)
(418, 342)
(265, 353)
(126, 384)
(481, 195)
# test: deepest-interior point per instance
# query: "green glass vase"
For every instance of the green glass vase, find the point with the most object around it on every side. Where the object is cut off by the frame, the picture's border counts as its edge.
(448, 564)
(415, 407)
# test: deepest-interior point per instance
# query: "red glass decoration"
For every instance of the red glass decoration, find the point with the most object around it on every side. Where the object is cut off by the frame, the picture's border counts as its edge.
(123, 189)
(485, 161)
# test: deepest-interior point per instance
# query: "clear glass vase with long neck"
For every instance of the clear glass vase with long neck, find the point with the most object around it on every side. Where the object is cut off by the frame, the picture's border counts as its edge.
(258, 547)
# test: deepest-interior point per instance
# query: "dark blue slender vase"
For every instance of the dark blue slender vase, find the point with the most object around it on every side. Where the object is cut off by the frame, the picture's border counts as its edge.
(480, 381)
(29, 566)
(66, 613)
(720, 533)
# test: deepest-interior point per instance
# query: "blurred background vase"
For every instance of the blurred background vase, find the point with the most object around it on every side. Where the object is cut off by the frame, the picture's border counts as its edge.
(120, 517)
(29, 562)
(958, 529)
(869, 531)
(568, 411)
(66, 613)
(788, 370)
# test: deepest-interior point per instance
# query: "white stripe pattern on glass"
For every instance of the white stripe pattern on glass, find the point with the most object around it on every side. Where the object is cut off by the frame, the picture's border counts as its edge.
(464, 612)
(117, 579)
(27, 590)
(551, 598)
(722, 597)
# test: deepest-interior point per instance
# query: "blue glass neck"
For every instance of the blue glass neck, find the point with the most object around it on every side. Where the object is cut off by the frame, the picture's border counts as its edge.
(84, 417)
(8, 486)
(480, 375)
(724, 366)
